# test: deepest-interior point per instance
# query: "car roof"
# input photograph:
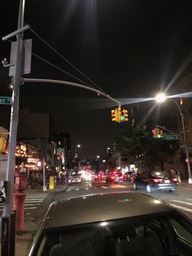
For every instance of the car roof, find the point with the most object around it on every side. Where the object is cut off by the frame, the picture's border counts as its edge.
(102, 207)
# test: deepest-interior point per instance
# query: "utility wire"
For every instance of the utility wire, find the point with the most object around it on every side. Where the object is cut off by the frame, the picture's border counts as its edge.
(66, 60)
(53, 65)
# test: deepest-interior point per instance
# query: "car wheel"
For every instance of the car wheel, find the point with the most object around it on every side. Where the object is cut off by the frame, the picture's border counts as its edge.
(134, 186)
(148, 188)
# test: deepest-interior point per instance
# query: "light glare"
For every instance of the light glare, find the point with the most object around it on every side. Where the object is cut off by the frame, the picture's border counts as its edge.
(160, 97)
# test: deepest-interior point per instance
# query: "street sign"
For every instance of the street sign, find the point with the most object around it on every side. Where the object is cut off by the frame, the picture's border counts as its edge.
(171, 137)
(5, 100)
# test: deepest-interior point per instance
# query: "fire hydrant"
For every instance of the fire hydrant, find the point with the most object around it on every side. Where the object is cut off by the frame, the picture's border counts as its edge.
(19, 199)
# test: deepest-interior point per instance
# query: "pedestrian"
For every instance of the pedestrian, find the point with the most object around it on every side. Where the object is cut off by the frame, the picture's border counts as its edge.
(173, 173)
(178, 175)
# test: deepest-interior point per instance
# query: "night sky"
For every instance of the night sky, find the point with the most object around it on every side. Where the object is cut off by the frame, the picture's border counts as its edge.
(126, 48)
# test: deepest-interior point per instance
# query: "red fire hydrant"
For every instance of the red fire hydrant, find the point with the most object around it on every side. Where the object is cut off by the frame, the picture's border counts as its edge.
(19, 199)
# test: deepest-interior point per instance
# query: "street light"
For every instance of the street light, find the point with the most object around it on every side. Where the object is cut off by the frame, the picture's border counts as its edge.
(44, 177)
(76, 150)
(162, 97)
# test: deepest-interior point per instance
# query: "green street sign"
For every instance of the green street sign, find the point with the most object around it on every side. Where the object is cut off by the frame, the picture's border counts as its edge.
(171, 137)
(5, 100)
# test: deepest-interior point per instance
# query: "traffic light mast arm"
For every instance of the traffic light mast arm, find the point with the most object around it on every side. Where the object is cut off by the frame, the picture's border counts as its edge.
(162, 127)
(34, 80)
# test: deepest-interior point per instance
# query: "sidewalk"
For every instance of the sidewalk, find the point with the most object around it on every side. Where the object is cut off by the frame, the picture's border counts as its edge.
(24, 239)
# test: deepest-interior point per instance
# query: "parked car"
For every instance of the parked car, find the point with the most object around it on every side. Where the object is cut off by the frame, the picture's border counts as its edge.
(131, 223)
(74, 178)
(155, 180)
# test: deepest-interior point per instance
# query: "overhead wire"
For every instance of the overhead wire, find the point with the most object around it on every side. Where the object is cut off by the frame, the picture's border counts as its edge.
(67, 62)
(53, 65)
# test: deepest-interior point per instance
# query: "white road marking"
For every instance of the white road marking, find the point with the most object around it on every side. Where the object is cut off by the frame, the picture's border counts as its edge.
(182, 208)
(181, 202)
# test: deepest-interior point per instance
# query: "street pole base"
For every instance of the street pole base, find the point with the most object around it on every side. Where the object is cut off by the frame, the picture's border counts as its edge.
(44, 188)
(189, 180)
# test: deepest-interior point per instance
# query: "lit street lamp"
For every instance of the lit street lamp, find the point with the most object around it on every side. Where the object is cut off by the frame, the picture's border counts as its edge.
(162, 97)
(76, 150)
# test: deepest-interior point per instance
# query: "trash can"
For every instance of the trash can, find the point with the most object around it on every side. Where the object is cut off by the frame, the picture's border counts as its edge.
(51, 182)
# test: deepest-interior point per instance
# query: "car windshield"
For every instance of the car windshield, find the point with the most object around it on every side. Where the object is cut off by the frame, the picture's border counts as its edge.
(135, 236)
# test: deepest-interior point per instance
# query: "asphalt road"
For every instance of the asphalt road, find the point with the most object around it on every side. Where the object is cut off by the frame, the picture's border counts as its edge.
(37, 203)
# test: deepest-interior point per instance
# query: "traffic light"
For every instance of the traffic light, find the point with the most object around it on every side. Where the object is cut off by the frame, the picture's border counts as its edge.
(115, 114)
(160, 134)
(2, 144)
(118, 115)
(155, 133)
(124, 115)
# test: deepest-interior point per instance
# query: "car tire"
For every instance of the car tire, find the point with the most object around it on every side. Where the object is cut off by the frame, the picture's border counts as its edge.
(134, 186)
(148, 188)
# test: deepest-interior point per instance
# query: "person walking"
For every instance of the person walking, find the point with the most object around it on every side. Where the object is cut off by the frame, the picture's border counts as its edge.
(178, 175)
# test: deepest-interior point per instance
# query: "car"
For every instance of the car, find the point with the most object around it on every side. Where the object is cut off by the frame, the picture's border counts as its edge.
(156, 180)
(74, 178)
(127, 175)
(115, 177)
(100, 176)
(115, 224)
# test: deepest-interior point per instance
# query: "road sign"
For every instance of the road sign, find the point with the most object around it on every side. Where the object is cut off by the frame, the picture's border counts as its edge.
(171, 137)
(5, 100)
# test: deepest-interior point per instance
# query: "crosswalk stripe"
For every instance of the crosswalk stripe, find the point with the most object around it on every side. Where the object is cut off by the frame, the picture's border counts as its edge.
(181, 208)
(31, 202)
(181, 202)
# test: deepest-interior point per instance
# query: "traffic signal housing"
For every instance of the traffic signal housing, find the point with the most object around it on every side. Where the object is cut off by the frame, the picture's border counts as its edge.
(2, 144)
(113, 115)
(116, 115)
(155, 133)
(124, 115)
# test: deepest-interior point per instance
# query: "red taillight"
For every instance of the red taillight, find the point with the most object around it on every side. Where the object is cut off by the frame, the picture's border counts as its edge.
(174, 179)
(157, 180)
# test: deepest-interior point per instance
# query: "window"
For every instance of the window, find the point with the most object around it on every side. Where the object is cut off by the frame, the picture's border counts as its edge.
(181, 231)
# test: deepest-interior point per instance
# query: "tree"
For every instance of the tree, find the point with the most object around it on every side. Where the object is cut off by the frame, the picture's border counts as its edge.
(135, 141)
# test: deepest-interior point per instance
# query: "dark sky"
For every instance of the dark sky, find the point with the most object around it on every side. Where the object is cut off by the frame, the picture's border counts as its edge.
(128, 48)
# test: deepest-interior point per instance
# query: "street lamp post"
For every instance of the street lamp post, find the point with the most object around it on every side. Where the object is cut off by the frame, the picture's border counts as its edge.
(43, 164)
(161, 98)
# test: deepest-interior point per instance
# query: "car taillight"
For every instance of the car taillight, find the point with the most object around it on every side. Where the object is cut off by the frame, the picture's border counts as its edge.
(174, 179)
(157, 180)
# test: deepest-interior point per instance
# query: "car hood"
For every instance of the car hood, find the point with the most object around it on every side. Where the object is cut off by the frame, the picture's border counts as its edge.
(102, 207)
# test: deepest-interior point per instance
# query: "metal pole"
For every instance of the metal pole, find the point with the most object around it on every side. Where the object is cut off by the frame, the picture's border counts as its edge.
(44, 178)
(185, 143)
(14, 115)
